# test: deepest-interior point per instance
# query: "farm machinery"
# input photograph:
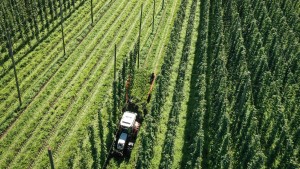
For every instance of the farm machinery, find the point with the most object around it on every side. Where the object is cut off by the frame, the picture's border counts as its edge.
(138, 95)
(128, 129)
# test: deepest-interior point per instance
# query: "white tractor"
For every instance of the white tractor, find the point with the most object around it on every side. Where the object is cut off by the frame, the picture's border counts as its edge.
(128, 129)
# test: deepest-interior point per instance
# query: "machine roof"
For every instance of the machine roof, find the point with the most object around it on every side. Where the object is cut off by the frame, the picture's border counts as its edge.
(128, 119)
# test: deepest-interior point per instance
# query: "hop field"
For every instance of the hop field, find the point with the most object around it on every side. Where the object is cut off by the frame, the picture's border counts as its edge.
(226, 93)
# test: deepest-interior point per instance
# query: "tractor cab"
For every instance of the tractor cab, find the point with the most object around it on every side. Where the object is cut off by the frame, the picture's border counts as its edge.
(122, 141)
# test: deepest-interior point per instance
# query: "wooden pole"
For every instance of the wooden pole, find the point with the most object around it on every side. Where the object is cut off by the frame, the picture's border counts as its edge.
(153, 16)
(140, 36)
(10, 52)
(115, 63)
(62, 27)
(50, 158)
(92, 15)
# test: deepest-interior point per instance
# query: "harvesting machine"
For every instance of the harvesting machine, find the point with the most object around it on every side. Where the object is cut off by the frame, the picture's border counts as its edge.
(138, 95)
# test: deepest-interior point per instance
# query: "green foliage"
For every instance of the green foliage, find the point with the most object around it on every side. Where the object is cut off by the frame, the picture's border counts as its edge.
(93, 146)
(168, 149)
(160, 93)
(242, 109)
(140, 87)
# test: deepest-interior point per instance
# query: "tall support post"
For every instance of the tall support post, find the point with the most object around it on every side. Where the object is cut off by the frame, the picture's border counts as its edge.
(50, 158)
(11, 55)
(140, 36)
(153, 16)
(92, 14)
(163, 4)
(115, 108)
(62, 27)
(115, 63)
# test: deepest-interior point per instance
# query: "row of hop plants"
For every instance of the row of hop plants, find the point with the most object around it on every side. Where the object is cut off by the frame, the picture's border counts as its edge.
(236, 82)
(196, 106)
(273, 75)
(148, 136)
(250, 79)
(168, 148)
